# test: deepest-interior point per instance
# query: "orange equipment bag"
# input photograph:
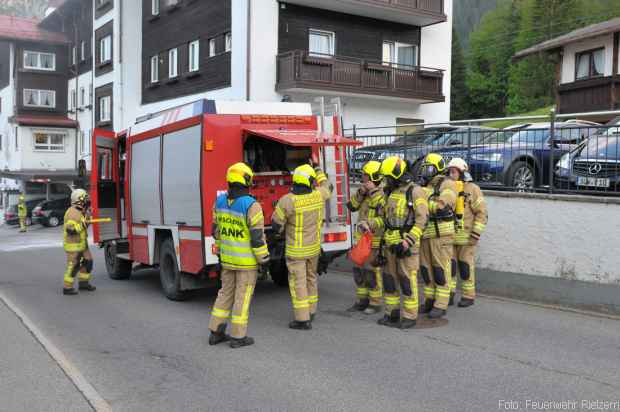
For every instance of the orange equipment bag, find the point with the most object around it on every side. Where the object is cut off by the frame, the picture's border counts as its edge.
(362, 250)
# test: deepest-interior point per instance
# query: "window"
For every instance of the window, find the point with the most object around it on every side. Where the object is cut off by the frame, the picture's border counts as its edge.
(194, 56)
(39, 61)
(154, 69)
(73, 55)
(39, 98)
(211, 47)
(0, 142)
(49, 142)
(321, 42)
(400, 54)
(83, 51)
(82, 97)
(154, 7)
(73, 98)
(590, 63)
(228, 42)
(104, 109)
(105, 49)
(173, 66)
(90, 94)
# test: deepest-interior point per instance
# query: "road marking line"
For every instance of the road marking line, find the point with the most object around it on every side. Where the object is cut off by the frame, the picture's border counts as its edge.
(91, 395)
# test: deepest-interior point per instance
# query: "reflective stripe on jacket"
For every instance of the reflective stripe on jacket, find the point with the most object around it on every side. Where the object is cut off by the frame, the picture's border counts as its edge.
(233, 233)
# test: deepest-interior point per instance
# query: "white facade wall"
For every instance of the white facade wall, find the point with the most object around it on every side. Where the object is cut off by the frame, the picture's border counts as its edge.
(537, 235)
(570, 50)
(47, 160)
(85, 113)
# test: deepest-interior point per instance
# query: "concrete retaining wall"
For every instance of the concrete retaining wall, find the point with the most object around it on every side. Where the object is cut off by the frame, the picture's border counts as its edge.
(568, 237)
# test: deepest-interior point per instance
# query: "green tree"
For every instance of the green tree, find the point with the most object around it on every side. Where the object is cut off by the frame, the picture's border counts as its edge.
(491, 46)
(458, 89)
(533, 79)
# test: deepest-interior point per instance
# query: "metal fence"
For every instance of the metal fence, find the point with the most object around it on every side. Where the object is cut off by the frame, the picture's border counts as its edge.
(554, 154)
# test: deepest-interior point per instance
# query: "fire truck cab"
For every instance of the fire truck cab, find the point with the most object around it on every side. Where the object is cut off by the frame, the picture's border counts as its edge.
(158, 182)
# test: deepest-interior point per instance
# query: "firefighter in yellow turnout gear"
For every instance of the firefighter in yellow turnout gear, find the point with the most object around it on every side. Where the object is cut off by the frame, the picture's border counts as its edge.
(299, 215)
(238, 229)
(472, 217)
(438, 239)
(368, 199)
(22, 213)
(79, 258)
(403, 220)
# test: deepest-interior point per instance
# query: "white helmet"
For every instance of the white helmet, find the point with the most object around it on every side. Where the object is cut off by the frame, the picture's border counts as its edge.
(79, 196)
(459, 164)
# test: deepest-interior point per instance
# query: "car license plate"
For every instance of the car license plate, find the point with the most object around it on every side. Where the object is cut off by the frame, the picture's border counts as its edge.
(592, 181)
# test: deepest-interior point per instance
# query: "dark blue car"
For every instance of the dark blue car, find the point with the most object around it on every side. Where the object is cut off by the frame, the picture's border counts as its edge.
(524, 160)
(593, 165)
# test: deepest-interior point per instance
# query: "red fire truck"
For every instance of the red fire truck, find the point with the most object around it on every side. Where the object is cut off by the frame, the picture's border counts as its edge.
(158, 181)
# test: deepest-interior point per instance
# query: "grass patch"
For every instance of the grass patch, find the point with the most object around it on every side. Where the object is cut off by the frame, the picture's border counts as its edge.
(500, 124)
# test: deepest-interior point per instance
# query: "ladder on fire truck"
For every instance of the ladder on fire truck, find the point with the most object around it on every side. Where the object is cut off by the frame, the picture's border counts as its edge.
(336, 211)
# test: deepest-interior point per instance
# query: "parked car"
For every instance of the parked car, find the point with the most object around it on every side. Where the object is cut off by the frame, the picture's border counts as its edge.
(593, 165)
(11, 217)
(51, 212)
(412, 148)
(523, 161)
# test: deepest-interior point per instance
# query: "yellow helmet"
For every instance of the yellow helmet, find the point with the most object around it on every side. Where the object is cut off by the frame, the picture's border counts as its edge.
(394, 167)
(433, 165)
(79, 196)
(240, 173)
(304, 175)
(373, 170)
(21, 198)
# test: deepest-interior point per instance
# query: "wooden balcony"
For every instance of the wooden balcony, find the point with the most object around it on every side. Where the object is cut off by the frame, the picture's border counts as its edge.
(299, 71)
(415, 12)
(596, 94)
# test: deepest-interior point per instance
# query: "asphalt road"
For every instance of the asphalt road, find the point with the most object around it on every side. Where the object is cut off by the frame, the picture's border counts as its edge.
(144, 353)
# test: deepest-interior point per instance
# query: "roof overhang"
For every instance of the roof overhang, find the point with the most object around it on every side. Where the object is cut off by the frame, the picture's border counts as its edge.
(594, 30)
(44, 121)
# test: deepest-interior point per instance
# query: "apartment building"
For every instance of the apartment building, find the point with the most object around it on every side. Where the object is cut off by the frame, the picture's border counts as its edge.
(384, 62)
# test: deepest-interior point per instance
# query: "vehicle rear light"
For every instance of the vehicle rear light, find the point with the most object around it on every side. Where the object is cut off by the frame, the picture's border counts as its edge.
(335, 237)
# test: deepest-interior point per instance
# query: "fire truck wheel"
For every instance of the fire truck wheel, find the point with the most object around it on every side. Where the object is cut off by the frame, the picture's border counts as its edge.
(279, 272)
(118, 269)
(169, 273)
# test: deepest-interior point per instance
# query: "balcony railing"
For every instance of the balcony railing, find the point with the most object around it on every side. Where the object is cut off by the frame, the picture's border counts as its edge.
(299, 69)
(599, 93)
(435, 6)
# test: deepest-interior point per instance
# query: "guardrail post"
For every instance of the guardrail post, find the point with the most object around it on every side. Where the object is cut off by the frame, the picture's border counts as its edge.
(551, 149)
(469, 143)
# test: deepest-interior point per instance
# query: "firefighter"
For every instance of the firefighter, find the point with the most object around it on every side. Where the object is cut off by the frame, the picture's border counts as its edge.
(79, 258)
(239, 231)
(367, 200)
(22, 213)
(438, 239)
(403, 219)
(299, 215)
(472, 217)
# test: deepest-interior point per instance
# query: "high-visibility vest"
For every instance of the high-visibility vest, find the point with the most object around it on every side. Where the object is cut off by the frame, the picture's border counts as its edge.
(22, 211)
(76, 221)
(234, 234)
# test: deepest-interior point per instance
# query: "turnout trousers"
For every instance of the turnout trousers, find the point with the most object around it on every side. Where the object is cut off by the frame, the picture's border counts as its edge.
(466, 267)
(436, 269)
(400, 283)
(368, 281)
(303, 285)
(80, 263)
(233, 301)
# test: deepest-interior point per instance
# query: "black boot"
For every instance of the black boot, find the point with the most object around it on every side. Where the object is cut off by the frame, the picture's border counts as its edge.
(300, 325)
(392, 320)
(428, 306)
(312, 317)
(451, 302)
(466, 302)
(69, 292)
(87, 286)
(238, 343)
(359, 306)
(218, 336)
(407, 323)
(436, 313)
